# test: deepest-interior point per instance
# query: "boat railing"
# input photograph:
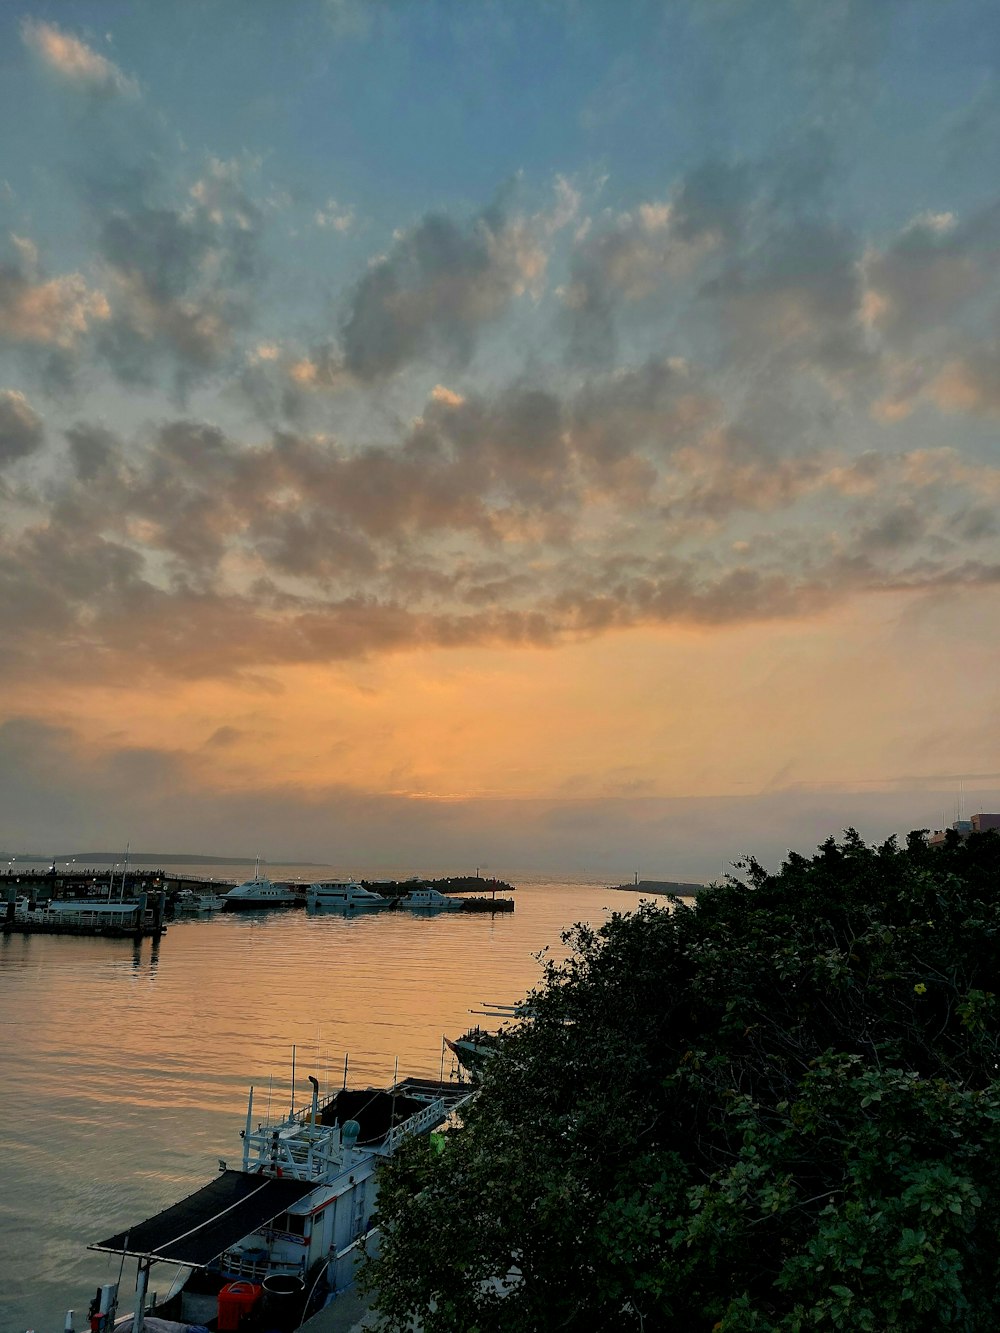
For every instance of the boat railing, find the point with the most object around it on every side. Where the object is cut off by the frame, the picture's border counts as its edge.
(313, 1148)
(432, 1114)
(238, 1265)
(296, 1148)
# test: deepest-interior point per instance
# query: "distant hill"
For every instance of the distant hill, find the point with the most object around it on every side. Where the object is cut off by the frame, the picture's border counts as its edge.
(678, 888)
(149, 859)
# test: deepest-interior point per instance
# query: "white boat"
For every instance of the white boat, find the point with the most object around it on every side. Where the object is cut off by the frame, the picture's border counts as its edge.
(430, 900)
(345, 896)
(190, 902)
(284, 1232)
(259, 893)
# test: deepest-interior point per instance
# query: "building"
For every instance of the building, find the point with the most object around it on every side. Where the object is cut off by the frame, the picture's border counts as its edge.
(980, 823)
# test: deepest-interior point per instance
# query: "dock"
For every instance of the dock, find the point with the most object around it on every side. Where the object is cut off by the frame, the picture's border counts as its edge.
(109, 918)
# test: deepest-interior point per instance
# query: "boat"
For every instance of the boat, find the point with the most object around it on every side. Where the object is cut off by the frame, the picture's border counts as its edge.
(190, 902)
(430, 900)
(282, 1234)
(259, 893)
(473, 1048)
(345, 896)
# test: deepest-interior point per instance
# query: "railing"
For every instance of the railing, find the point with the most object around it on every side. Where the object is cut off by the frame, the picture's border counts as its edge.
(236, 1265)
(425, 1119)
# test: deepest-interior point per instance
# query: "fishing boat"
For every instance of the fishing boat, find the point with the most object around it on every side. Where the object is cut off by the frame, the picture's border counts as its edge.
(345, 896)
(281, 1235)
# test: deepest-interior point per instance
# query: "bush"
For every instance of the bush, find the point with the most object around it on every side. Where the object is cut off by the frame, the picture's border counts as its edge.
(778, 1110)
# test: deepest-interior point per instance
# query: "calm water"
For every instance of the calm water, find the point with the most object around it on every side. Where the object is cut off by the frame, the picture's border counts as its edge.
(124, 1069)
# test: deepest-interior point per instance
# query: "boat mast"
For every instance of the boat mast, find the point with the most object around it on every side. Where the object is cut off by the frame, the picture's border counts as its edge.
(246, 1136)
(141, 1287)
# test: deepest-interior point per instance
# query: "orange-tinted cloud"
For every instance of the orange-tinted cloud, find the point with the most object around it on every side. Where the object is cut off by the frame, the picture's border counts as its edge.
(76, 63)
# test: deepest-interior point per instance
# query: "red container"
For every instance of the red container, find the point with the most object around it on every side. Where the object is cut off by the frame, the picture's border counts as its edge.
(236, 1300)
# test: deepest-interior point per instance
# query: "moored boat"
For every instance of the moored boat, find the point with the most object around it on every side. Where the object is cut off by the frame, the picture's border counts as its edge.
(430, 900)
(345, 896)
(190, 902)
(473, 1048)
(276, 1238)
(260, 893)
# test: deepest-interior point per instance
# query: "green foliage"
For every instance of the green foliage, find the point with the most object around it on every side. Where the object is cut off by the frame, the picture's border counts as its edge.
(777, 1111)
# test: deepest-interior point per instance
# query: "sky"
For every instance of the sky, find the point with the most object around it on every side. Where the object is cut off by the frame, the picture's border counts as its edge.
(558, 436)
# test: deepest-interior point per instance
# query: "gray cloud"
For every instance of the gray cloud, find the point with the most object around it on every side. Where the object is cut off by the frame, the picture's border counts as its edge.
(95, 452)
(797, 296)
(628, 258)
(434, 290)
(182, 280)
(933, 269)
(21, 430)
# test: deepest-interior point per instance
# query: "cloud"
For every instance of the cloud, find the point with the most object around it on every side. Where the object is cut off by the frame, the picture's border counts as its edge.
(521, 516)
(970, 382)
(628, 257)
(338, 217)
(436, 288)
(74, 62)
(928, 304)
(797, 295)
(181, 280)
(934, 268)
(55, 311)
(21, 430)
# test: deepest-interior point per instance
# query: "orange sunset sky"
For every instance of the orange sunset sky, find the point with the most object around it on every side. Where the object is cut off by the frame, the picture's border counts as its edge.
(554, 437)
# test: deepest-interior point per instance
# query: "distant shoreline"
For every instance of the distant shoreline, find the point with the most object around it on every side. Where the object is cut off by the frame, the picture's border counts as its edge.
(148, 859)
(677, 888)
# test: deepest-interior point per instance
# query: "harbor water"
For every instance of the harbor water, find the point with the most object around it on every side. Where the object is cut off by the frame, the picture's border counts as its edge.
(124, 1068)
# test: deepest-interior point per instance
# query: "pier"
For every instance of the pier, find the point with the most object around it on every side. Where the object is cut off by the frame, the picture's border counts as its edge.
(112, 918)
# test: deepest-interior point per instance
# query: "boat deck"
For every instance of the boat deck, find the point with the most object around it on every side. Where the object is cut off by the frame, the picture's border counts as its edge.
(429, 1089)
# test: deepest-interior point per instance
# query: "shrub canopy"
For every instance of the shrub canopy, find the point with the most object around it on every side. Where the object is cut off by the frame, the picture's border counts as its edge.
(777, 1110)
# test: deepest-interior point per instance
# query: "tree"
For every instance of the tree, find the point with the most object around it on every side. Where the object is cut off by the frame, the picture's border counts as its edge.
(778, 1110)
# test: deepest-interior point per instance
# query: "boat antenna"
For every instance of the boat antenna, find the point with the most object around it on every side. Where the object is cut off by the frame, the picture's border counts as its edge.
(293, 1083)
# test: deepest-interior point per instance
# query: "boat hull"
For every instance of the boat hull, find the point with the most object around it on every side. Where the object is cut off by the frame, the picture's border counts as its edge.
(260, 904)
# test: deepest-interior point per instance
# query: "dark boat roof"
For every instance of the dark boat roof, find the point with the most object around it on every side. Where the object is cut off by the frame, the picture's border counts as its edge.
(199, 1228)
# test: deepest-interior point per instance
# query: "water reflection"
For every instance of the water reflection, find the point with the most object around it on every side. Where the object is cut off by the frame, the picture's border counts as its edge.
(142, 964)
(125, 1072)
